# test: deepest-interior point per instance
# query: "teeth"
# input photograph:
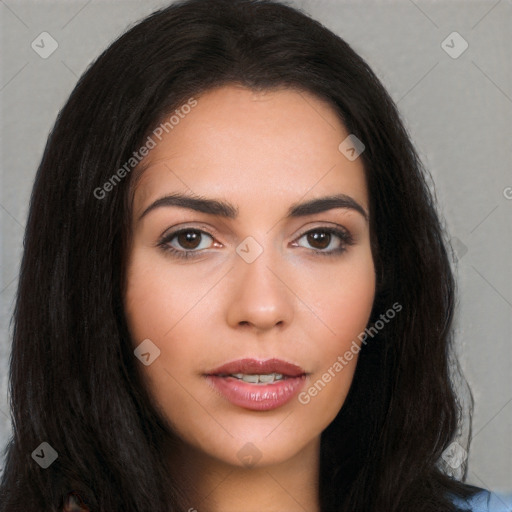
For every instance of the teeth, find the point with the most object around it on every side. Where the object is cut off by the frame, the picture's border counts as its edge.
(271, 377)
(257, 379)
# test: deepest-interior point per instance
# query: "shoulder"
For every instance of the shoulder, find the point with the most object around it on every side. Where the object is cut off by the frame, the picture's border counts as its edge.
(486, 501)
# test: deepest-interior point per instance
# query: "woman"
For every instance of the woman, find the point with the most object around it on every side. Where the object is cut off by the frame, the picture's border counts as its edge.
(235, 293)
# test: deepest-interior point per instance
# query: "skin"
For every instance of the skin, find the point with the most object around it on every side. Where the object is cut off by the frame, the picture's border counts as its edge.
(261, 152)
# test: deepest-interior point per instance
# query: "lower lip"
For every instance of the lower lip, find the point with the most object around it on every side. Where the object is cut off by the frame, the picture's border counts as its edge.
(257, 397)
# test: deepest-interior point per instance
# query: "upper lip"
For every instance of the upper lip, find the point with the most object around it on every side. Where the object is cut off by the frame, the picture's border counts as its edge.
(255, 366)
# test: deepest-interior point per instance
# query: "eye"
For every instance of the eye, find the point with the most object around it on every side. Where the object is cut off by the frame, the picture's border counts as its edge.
(323, 237)
(188, 240)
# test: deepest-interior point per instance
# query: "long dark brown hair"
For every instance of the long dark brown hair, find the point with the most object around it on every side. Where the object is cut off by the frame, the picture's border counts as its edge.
(74, 382)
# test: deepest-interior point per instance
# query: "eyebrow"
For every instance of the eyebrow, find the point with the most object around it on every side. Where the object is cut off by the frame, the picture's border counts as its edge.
(227, 210)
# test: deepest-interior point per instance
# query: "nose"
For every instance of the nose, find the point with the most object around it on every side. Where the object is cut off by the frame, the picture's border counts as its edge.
(260, 294)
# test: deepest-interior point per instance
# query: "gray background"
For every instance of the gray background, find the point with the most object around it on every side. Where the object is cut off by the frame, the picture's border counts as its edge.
(457, 110)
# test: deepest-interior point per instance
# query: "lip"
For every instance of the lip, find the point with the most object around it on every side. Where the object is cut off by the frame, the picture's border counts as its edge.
(257, 397)
(250, 365)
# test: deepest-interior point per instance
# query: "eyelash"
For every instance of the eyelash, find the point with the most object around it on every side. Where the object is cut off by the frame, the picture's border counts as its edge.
(344, 236)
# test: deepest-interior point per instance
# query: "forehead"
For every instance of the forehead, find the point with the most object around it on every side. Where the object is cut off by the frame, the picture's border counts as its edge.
(274, 145)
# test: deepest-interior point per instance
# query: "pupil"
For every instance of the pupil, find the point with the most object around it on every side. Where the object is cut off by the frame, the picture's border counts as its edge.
(188, 238)
(314, 238)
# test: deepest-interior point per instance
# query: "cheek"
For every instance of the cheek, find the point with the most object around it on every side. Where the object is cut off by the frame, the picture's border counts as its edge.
(167, 307)
(343, 300)
(156, 308)
(342, 297)
(350, 300)
(158, 297)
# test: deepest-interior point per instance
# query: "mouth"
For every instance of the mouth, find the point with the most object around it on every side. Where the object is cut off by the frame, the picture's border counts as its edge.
(257, 385)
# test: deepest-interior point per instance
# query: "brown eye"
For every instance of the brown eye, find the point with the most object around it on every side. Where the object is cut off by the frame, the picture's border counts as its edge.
(189, 239)
(319, 239)
(185, 243)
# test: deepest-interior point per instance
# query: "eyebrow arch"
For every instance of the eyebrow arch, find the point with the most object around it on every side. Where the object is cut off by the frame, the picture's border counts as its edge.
(227, 210)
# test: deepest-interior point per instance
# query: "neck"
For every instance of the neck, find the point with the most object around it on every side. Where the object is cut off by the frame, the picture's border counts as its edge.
(211, 485)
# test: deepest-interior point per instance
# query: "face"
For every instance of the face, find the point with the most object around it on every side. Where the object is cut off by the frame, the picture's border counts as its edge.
(255, 285)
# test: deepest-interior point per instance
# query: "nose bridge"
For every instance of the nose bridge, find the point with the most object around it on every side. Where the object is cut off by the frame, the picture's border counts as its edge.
(260, 296)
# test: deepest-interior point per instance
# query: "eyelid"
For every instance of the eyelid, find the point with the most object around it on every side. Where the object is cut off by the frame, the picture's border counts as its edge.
(195, 226)
(324, 225)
